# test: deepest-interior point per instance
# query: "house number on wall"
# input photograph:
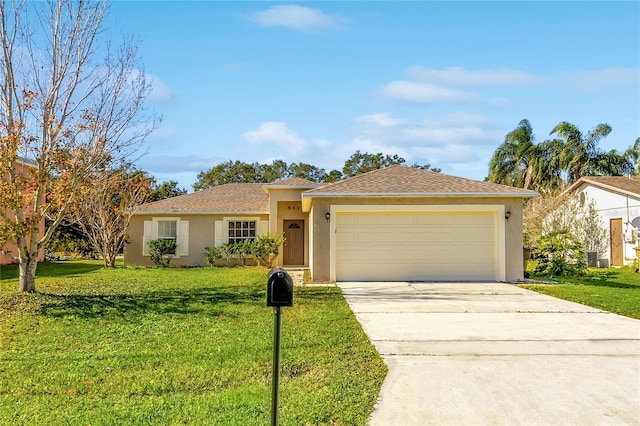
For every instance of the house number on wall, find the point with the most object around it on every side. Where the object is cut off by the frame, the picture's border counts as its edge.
(293, 207)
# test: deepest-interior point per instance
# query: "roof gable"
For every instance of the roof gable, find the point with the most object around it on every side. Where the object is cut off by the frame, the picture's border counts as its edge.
(620, 184)
(227, 198)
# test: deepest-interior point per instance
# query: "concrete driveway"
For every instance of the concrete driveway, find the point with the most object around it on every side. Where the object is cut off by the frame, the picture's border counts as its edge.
(496, 354)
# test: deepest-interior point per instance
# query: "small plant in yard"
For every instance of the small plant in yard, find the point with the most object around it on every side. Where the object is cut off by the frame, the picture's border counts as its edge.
(266, 247)
(560, 253)
(211, 254)
(243, 250)
(161, 251)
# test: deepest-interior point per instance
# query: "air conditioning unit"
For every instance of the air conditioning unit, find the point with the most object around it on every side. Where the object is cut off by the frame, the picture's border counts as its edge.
(592, 259)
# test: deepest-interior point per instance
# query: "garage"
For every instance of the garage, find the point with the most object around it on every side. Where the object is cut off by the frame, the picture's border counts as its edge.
(417, 245)
(408, 224)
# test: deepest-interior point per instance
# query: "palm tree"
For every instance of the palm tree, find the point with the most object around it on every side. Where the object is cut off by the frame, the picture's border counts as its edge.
(580, 155)
(613, 163)
(633, 154)
(520, 162)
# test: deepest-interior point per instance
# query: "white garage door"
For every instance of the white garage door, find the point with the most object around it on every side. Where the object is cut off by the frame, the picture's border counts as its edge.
(416, 246)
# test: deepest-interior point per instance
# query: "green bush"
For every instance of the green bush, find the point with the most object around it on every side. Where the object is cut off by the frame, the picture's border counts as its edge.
(161, 251)
(266, 247)
(242, 250)
(560, 253)
(211, 254)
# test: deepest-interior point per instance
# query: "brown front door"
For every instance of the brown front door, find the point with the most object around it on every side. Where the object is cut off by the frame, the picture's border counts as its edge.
(615, 241)
(294, 242)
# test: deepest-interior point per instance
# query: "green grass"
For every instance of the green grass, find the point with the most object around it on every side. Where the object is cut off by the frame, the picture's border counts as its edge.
(613, 289)
(177, 346)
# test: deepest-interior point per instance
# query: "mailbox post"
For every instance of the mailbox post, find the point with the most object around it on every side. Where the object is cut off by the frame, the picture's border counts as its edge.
(279, 294)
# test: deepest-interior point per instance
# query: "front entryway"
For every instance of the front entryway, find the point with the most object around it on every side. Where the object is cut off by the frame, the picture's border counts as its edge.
(293, 253)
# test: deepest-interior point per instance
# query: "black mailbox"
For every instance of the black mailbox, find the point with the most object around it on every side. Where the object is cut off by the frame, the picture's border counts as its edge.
(279, 288)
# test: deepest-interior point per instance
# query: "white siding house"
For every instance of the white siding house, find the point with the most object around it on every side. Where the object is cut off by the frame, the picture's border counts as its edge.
(617, 200)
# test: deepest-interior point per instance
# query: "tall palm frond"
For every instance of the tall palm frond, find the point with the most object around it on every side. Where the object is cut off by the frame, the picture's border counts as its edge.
(580, 155)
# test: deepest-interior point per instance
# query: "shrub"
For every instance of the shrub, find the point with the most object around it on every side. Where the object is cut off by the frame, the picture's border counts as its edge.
(266, 247)
(161, 251)
(560, 253)
(211, 254)
(242, 250)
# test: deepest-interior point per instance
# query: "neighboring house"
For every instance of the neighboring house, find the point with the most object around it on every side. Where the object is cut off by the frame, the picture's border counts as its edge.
(393, 224)
(9, 251)
(617, 200)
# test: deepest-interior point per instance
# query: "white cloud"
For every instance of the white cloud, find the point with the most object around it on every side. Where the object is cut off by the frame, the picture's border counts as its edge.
(439, 130)
(598, 79)
(277, 133)
(163, 164)
(298, 18)
(457, 76)
(160, 92)
(381, 119)
(461, 77)
(426, 93)
(454, 141)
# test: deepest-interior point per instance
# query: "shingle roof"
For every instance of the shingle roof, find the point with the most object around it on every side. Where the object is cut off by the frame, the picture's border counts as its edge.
(228, 198)
(292, 182)
(401, 180)
(391, 181)
(623, 184)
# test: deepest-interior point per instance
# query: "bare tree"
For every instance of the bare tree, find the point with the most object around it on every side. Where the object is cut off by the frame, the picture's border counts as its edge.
(536, 221)
(69, 101)
(99, 210)
(545, 214)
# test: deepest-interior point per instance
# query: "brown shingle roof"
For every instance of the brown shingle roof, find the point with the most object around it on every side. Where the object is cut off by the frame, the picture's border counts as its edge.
(408, 181)
(292, 182)
(228, 198)
(624, 184)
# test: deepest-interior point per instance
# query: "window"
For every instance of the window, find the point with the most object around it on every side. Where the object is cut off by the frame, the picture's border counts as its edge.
(242, 230)
(170, 228)
(167, 230)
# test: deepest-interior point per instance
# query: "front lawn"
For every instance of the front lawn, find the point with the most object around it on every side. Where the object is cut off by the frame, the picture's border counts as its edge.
(613, 289)
(177, 346)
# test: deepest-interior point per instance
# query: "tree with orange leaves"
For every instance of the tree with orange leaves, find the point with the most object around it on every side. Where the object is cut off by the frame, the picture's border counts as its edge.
(102, 210)
(71, 104)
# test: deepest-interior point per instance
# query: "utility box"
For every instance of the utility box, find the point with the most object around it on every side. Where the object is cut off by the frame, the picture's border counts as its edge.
(279, 288)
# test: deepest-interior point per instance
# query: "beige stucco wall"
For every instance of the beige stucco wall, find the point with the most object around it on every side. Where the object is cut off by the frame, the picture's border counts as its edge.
(285, 204)
(320, 262)
(201, 235)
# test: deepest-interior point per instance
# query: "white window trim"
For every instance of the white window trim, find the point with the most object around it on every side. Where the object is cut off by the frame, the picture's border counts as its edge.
(180, 225)
(222, 226)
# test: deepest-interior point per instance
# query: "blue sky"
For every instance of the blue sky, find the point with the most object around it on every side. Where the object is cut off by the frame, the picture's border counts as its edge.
(437, 82)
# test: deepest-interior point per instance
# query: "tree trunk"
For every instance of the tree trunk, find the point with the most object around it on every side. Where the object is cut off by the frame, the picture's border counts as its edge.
(109, 256)
(28, 273)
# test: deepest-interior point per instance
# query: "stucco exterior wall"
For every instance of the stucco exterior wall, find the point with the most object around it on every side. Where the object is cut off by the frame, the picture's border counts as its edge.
(285, 204)
(201, 235)
(320, 263)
